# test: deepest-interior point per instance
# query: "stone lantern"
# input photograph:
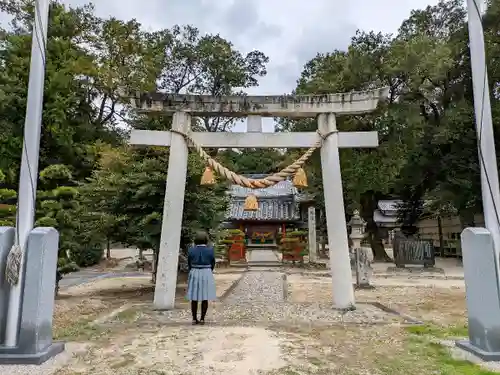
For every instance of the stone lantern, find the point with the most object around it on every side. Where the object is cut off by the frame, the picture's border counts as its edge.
(358, 226)
(361, 259)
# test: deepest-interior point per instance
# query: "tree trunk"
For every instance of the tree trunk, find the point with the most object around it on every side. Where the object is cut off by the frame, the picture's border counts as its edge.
(377, 245)
(440, 234)
(58, 279)
(155, 266)
(368, 205)
(108, 248)
(467, 218)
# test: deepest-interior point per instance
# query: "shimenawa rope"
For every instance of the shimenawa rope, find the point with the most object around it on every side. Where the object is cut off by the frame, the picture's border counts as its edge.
(249, 182)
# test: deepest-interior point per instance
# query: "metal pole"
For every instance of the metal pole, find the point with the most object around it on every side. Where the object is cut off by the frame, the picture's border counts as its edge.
(482, 108)
(29, 161)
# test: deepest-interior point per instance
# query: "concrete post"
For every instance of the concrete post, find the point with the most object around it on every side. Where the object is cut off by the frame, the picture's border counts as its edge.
(482, 293)
(490, 188)
(28, 176)
(340, 265)
(313, 243)
(254, 124)
(35, 344)
(173, 207)
(7, 235)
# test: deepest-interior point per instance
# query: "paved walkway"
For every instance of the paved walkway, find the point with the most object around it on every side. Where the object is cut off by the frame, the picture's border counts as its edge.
(262, 256)
(83, 277)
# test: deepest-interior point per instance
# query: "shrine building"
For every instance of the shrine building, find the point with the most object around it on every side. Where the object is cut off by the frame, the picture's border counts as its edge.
(281, 208)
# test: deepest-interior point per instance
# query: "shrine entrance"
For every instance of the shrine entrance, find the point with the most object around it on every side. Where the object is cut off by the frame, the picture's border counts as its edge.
(262, 234)
(327, 139)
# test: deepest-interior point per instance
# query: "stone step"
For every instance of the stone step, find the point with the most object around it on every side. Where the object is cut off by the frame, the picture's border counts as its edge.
(269, 248)
(265, 264)
(238, 264)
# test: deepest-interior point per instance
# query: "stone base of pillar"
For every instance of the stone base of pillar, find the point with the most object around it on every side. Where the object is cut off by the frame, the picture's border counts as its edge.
(19, 355)
(483, 294)
(363, 287)
(345, 310)
(478, 352)
(34, 341)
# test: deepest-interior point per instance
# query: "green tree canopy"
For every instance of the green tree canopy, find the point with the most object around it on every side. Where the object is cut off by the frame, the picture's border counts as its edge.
(428, 146)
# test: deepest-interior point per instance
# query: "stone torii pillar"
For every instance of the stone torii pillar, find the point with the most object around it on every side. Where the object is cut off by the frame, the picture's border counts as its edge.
(325, 107)
(338, 244)
(173, 208)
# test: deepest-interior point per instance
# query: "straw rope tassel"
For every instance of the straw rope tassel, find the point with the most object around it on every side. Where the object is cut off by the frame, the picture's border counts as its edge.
(208, 177)
(251, 203)
(300, 178)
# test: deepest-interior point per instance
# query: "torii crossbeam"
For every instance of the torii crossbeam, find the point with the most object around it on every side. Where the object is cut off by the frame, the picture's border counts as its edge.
(255, 140)
(324, 107)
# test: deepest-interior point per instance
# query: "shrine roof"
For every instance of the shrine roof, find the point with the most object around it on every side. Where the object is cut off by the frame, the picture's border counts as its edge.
(386, 213)
(384, 220)
(269, 210)
(281, 189)
(276, 203)
(389, 207)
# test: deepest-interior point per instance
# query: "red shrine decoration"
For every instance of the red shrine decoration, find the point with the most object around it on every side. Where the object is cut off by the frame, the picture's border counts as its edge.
(237, 248)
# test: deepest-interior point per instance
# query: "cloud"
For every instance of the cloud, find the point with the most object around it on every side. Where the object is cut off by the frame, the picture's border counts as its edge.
(241, 17)
(290, 32)
(242, 21)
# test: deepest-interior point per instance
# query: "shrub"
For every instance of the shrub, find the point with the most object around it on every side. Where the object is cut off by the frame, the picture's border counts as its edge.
(65, 266)
(87, 254)
(46, 222)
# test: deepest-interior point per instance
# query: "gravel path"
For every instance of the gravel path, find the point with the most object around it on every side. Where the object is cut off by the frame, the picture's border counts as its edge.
(259, 286)
(260, 299)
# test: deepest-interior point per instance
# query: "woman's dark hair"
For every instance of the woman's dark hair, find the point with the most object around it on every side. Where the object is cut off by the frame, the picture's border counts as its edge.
(201, 238)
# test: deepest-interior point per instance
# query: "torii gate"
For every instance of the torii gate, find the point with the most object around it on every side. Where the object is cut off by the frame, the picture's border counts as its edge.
(324, 107)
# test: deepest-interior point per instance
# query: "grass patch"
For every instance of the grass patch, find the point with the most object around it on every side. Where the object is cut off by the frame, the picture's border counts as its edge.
(284, 371)
(123, 362)
(439, 331)
(424, 356)
(440, 355)
(128, 315)
(81, 330)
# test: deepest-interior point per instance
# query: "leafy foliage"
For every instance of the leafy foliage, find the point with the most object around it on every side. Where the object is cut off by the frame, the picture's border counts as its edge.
(428, 147)
(130, 188)
(93, 189)
(96, 190)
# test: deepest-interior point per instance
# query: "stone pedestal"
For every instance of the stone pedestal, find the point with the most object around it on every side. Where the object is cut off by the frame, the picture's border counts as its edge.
(483, 294)
(363, 268)
(311, 239)
(35, 344)
(361, 257)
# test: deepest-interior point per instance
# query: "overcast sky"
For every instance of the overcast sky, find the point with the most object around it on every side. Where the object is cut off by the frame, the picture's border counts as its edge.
(290, 32)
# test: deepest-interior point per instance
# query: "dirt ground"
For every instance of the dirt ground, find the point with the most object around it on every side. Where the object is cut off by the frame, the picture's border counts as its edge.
(436, 301)
(98, 298)
(123, 335)
(279, 350)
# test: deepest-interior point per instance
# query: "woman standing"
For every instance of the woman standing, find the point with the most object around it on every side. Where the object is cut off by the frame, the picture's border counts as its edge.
(201, 282)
